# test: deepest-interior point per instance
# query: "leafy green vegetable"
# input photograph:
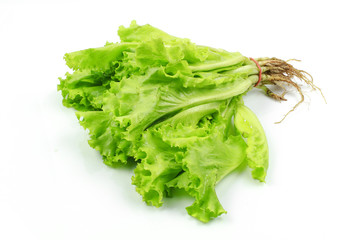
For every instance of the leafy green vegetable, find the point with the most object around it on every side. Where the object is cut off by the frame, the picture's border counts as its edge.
(257, 151)
(175, 108)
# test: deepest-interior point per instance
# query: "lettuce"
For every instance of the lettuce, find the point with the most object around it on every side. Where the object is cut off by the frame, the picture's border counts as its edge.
(172, 107)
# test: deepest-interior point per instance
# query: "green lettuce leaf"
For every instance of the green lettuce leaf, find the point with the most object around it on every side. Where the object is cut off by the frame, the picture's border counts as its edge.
(83, 90)
(106, 136)
(257, 150)
(159, 164)
(136, 33)
(98, 58)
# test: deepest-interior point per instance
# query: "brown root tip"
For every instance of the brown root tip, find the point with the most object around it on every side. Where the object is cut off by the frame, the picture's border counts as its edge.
(280, 73)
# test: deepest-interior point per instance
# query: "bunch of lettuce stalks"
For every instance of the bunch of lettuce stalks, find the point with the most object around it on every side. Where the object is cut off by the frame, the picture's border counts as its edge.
(176, 109)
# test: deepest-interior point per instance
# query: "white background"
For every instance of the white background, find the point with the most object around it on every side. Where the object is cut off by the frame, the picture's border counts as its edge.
(54, 186)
